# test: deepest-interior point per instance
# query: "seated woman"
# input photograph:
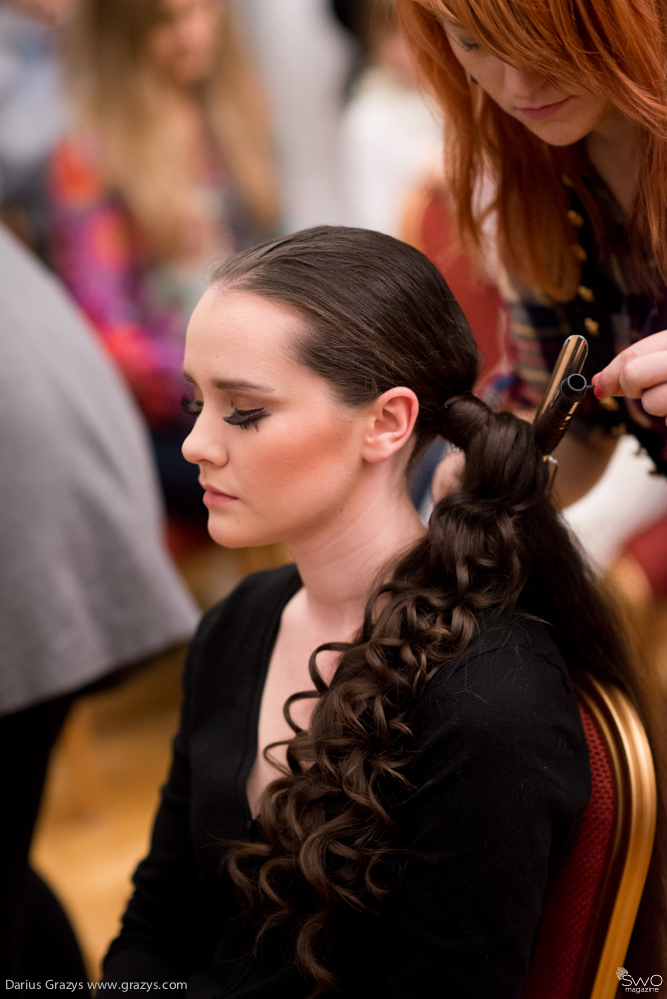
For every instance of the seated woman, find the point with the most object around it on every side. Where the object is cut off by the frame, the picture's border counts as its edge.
(167, 168)
(380, 766)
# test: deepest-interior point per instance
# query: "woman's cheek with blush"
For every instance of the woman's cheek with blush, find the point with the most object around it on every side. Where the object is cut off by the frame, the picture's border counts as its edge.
(288, 472)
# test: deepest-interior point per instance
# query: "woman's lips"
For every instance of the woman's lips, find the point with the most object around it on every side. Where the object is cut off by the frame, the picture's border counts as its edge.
(545, 111)
(214, 497)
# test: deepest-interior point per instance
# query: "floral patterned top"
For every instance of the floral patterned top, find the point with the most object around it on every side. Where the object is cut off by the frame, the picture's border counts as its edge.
(138, 305)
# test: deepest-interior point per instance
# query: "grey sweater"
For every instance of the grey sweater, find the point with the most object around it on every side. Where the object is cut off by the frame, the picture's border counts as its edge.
(85, 583)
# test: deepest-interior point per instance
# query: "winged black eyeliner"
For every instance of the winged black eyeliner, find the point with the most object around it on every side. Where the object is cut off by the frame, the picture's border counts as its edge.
(246, 417)
(239, 418)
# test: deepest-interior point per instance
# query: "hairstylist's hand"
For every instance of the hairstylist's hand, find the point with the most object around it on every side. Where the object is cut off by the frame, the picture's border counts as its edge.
(638, 372)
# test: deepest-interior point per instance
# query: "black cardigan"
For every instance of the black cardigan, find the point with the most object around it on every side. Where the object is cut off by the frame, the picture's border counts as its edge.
(500, 781)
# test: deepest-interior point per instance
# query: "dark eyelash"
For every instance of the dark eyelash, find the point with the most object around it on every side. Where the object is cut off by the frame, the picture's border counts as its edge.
(190, 406)
(468, 46)
(246, 417)
(240, 417)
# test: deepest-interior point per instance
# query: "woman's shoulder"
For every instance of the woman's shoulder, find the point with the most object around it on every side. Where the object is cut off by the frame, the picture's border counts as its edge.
(242, 619)
(503, 720)
(511, 679)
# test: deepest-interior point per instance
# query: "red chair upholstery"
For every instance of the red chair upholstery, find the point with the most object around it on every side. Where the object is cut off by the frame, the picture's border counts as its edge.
(591, 908)
(569, 908)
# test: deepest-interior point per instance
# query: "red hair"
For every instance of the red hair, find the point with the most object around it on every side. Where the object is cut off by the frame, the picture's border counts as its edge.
(616, 50)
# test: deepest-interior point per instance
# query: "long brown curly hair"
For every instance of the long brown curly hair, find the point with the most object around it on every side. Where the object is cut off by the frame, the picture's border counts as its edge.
(377, 314)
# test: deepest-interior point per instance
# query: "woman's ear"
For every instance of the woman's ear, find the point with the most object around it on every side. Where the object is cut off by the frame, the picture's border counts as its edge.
(391, 420)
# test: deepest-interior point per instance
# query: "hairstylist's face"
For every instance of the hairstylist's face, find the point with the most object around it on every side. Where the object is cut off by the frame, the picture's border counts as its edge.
(558, 115)
(280, 457)
(182, 44)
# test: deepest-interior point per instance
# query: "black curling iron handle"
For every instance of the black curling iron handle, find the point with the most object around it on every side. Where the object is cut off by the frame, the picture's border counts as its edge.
(551, 425)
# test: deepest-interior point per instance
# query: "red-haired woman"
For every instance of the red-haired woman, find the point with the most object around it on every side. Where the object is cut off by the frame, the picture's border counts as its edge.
(558, 108)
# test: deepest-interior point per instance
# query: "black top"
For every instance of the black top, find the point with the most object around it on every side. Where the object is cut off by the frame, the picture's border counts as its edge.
(500, 781)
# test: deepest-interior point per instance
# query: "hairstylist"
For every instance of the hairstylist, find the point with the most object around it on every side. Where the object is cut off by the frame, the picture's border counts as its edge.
(557, 111)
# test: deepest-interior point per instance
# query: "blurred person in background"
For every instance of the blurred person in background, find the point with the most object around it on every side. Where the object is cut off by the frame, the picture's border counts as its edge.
(86, 587)
(32, 112)
(305, 58)
(389, 134)
(390, 138)
(169, 167)
(556, 150)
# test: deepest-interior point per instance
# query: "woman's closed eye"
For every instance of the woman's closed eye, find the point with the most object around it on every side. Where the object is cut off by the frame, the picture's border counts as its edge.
(247, 417)
(240, 417)
(455, 31)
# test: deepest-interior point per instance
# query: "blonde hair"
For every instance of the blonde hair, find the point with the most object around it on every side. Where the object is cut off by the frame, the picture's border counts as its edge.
(120, 99)
(614, 49)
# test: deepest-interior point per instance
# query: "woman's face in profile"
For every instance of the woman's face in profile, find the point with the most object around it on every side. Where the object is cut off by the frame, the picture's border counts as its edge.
(182, 44)
(279, 455)
(560, 116)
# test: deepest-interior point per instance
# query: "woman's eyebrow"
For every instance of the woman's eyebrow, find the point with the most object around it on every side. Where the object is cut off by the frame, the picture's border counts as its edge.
(240, 386)
(233, 384)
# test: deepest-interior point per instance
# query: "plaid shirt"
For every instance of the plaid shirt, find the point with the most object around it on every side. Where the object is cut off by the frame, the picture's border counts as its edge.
(606, 310)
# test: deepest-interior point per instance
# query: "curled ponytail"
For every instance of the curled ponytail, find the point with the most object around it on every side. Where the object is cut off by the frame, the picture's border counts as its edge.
(484, 531)
(375, 314)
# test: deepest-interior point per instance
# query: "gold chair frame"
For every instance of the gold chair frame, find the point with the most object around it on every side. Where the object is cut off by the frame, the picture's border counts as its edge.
(632, 843)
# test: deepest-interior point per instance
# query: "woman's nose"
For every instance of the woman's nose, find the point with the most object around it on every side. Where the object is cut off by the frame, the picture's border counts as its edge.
(522, 84)
(203, 443)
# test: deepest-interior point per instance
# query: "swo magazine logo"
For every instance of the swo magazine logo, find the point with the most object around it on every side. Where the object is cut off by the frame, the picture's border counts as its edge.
(630, 984)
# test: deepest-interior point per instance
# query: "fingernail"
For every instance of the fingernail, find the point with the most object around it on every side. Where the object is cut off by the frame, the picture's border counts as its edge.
(598, 393)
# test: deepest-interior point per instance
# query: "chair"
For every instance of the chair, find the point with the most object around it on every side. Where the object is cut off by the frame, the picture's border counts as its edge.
(590, 911)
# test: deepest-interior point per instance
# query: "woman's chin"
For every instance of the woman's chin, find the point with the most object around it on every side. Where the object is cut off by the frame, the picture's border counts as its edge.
(229, 535)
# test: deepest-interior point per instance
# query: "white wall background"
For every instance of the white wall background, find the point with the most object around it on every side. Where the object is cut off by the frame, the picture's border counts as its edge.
(305, 58)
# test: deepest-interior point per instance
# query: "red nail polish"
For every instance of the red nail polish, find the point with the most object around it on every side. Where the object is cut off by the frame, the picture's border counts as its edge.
(597, 392)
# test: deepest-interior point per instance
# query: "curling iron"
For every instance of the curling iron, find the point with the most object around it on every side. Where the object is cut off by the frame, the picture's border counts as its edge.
(566, 389)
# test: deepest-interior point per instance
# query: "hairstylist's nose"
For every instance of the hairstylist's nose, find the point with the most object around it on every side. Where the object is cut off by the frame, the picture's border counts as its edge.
(522, 84)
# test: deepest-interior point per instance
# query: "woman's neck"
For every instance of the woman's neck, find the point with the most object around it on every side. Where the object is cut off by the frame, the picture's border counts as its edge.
(613, 150)
(340, 565)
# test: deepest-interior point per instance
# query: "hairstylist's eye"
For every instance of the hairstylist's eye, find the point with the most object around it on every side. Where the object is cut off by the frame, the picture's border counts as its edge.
(246, 417)
(191, 406)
